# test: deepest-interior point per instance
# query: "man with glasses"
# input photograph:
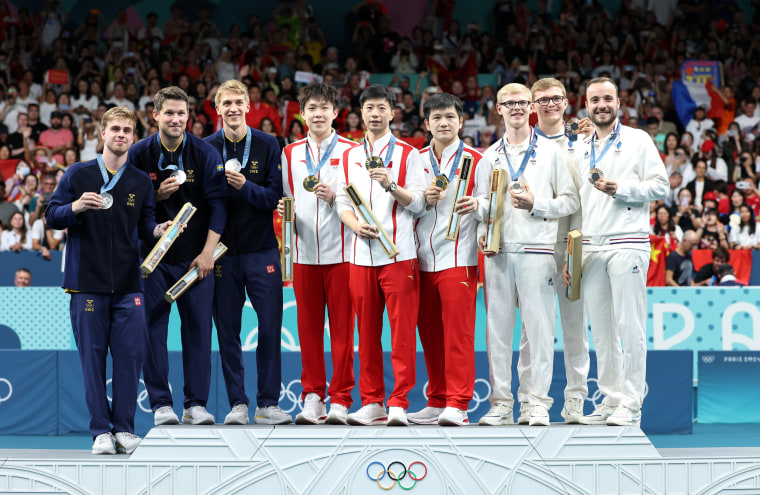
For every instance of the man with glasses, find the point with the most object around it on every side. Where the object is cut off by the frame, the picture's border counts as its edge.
(624, 173)
(549, 102)
(541, 190)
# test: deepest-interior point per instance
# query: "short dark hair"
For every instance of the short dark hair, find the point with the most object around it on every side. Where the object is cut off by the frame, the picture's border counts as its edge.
(318, 92)
(378, 92)
(169, 93)
(721, 252)
(600, 80)
(439, 101)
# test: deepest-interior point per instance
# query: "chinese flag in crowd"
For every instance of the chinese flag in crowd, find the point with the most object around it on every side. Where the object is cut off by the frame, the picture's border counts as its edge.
(660, 252)
(446, 76)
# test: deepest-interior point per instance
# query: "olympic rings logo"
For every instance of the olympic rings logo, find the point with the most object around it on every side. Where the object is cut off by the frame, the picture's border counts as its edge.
(396, 478)
(597, 396)
(141, 396)
(10, 390)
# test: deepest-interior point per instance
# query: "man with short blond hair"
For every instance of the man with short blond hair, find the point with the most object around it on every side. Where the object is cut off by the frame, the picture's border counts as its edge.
(252, 263)
(541, 190)
(105, 204)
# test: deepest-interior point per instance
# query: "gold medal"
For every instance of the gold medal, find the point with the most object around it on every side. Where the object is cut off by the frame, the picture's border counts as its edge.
(594, 175)
(441, 181)
(310, 183)
(373, 162)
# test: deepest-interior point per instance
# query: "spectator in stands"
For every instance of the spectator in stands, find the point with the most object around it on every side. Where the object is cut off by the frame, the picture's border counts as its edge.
(745, 234)
(679, 267)
(57, 139)
(701, 185)
(669, 149)
(664, 226)
(354, 130)
(748, 121)
(23, 278)
(7, 209)
(728, 277)
(295, 131)
(33, 118)
(20, 141)
(716, 165)
(27, 198)
(713, 233)
(676, 184)
(260, 109)
(697, 127)
(709, 273)
(89, 140)
(45, 239)
(16, 237)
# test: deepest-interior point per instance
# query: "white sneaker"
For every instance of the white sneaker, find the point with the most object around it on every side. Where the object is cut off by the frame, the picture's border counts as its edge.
(338, 415)
(572, 411)
(314, 411)
(499, 414)
(371, 414)
(451, 416)
(426, 416)
(599, 416)
(103, 444)
(524, 418)
(197, 415)
(126, 442)
(624, 416)
(539, 415)
(165, 416)
(271, 415)
(397, 417)
(238, 415)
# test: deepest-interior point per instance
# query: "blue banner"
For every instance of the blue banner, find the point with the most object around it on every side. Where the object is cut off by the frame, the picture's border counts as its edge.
(28, 392)
(728, 387)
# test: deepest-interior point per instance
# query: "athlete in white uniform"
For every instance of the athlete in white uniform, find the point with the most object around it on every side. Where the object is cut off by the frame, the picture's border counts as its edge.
(524, 266)
(448, 269)
(550, 102)
(311, 168)
(627, 173)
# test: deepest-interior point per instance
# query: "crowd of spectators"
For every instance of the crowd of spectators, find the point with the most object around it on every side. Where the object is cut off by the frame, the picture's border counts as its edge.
(59, 74)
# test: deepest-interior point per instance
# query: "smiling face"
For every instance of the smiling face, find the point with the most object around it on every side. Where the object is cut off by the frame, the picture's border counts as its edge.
(232, 107)
(377, 114)
(444, 125)
(551, 113)
(172, 119)
(518, 99)
(602, 104)
(319, 116)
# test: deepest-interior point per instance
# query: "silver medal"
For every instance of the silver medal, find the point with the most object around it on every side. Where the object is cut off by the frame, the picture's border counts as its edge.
(107, 201)
(233, 165)
(180, 176)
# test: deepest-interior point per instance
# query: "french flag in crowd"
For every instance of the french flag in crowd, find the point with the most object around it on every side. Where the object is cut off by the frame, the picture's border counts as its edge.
(690, 92)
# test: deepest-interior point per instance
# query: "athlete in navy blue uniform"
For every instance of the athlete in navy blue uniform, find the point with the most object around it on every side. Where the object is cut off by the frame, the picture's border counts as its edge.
(252, 261)
(183, 169)
(105, 204)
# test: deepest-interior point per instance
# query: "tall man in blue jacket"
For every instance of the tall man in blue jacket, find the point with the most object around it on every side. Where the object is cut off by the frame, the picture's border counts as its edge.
(183, 169)
(252, 262)
(106, 204)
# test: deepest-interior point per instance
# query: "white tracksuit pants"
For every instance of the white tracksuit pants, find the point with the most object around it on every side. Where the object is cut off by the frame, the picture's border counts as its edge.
(529, 278)
(614, 293)
(574, 341)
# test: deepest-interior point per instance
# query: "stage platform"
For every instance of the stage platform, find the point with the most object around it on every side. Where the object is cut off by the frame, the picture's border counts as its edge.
(217, 459)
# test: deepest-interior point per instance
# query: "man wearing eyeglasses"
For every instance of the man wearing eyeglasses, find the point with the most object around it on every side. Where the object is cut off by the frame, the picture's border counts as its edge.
(541, 191)
(624, 173)
(550, 102)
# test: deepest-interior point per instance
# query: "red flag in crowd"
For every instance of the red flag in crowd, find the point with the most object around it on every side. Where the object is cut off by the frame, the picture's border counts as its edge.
(446, 76)
(660, 252)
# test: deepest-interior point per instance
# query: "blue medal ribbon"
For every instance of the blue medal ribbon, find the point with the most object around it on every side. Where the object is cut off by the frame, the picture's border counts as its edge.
(388, 154)
(323, 160)
(161, 156)
(109, 184)
(457, 158)
(246, 151)
(613, 138)
(527, 156)
(569, 135)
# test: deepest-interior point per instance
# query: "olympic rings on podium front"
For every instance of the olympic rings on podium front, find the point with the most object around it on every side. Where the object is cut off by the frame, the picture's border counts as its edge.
(396, 478)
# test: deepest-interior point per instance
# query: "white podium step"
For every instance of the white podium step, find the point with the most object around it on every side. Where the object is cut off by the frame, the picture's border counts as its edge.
(293, 460)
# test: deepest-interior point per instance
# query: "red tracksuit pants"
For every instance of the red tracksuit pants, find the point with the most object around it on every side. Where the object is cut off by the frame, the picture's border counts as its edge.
(372, 289)
(317, 286)
(447, 331)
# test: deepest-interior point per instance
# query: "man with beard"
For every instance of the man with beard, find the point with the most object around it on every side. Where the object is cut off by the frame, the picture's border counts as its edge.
(623, 172)
(541, 192)
(57, 138)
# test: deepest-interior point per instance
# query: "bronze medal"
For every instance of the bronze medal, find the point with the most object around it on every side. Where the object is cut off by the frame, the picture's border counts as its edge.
(594, 175)
(516, 187)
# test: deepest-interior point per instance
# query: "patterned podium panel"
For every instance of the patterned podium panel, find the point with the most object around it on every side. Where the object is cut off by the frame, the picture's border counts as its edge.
(365, 460)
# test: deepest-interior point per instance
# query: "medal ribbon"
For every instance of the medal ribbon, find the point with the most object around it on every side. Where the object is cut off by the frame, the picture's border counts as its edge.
(388, 154)
(524, 163)
(325, 157)
(161, 156)
(569, 135)
(246, 152)
(612, 140)
(109, 184)
(453, 170)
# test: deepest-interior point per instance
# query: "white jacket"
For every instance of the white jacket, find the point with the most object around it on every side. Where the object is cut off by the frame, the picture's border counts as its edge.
(434, 251)
(398, 221)
(622, 220)
(554, 192)
(320, 238)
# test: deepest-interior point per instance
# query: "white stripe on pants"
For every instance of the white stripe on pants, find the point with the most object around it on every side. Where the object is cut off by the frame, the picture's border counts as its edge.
(614, 288)
(509, 276)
